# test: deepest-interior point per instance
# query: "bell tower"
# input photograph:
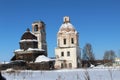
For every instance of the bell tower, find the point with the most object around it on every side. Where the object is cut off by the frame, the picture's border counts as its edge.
(38, 29)
(67, 51)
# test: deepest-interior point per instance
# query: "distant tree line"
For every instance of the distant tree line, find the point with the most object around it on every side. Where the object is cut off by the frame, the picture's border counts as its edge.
(88, 56)
(109, 55)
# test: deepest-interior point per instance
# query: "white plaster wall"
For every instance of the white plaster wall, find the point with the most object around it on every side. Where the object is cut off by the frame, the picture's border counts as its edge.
(74, 52)
(68, 37)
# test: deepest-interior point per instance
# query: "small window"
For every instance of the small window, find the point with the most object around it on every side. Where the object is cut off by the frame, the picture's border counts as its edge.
(72, 40)
(36, 28)
(62, 53)
(70, 65)
(64, 41)
(68, 53)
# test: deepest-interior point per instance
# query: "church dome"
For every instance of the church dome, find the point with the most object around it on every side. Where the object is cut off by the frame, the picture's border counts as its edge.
(28, 35)
(67, 26)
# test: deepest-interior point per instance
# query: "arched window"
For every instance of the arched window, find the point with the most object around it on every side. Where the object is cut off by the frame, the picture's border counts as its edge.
(36, 28)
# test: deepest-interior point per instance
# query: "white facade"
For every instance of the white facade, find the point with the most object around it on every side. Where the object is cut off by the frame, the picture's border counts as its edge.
(67, 52)
(38, 29)
(116, 62)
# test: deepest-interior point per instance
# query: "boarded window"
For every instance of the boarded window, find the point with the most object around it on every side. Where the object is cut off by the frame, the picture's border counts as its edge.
(68, 53)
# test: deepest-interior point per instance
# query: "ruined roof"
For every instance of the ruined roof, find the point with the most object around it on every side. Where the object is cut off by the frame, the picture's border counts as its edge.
(28, 35)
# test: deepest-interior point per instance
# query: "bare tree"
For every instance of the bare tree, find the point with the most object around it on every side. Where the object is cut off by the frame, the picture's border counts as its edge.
(109, 55)
(88, 52)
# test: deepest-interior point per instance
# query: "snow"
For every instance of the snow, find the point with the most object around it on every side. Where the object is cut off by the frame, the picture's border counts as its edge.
(100, 66)
(92, 66)
(28, 40)
(64, 74)
(19, 50)
(9, 70)
(42, 58)
(35, 49)
(30, 49)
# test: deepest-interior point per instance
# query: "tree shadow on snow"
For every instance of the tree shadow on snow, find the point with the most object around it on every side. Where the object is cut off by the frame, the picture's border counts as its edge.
(1, 77)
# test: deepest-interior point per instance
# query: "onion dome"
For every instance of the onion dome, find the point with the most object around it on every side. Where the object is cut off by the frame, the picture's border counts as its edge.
(28, 35)
(67, 26)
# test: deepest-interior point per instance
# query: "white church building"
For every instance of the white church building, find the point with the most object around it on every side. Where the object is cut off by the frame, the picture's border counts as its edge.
(67, 51)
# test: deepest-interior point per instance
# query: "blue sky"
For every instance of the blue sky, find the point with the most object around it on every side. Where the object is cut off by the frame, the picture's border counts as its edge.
(97, 21)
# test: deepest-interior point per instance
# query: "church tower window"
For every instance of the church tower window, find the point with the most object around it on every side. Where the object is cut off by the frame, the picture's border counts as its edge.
(72, 40)
(62, 53)
(36, 28)
(64, 41)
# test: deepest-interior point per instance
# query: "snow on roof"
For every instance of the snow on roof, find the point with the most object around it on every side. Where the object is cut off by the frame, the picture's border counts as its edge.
(42, 58)
(19, 50)
(35, 49)
(28, 40)
(30, 49)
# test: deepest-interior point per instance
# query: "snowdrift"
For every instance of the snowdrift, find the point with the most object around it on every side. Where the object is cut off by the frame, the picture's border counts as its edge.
(65, 74)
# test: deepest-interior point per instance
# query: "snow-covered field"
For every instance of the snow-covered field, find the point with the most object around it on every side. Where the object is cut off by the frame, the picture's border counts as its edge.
(65, 74)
